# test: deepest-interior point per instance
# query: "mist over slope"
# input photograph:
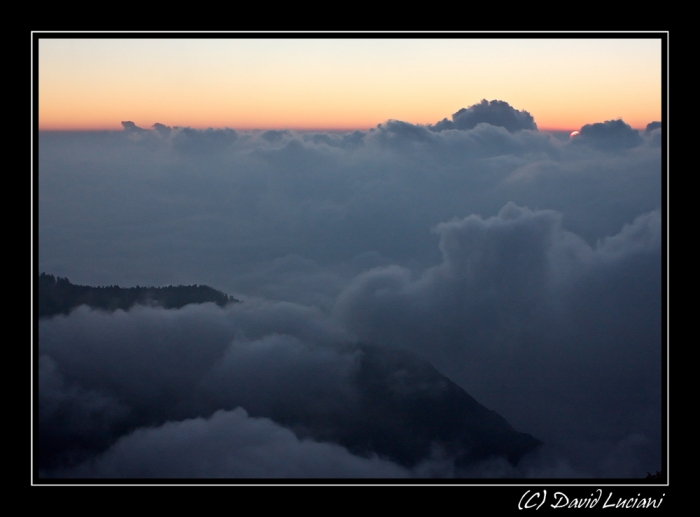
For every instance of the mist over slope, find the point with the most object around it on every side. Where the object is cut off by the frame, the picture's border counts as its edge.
(524, 267)
(102, 384)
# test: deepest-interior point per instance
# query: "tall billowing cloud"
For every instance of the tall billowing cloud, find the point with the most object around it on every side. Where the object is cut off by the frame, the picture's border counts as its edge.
(524, 268)
(651, 126)
(162, 129)
(531, 319)
(496, 113)
(611, 134)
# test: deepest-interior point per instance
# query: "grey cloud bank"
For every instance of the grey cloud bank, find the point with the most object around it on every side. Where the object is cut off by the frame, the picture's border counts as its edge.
(525, 268)
(228, 445)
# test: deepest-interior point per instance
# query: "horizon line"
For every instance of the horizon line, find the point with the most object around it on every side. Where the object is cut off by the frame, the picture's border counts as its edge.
(295, 129)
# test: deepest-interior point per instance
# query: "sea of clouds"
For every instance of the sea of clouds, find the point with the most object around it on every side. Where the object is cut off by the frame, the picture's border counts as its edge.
(524, 265)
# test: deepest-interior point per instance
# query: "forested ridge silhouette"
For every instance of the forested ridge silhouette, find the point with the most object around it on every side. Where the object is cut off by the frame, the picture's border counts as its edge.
(59, 296)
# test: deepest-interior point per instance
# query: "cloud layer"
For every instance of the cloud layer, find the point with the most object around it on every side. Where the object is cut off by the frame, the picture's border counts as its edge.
(524, 266)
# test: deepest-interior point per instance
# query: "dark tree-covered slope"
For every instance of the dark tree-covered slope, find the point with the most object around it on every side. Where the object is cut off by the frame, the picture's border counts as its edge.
(59, 296)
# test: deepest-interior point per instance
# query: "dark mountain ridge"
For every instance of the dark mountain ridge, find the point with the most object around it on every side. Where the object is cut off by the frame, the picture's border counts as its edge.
(403, 408)
(58, 296)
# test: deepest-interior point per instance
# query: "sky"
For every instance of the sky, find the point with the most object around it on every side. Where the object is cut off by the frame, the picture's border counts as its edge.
(342, 83)
(445, 223)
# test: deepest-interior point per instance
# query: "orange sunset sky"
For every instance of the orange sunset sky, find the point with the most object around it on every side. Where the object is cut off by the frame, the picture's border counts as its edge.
(356, 83)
